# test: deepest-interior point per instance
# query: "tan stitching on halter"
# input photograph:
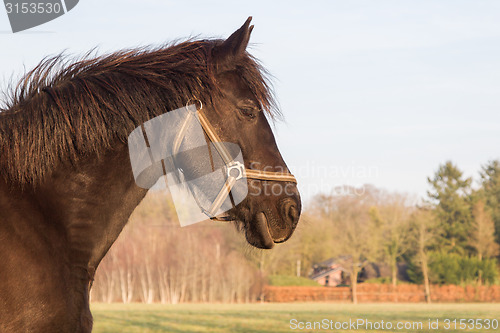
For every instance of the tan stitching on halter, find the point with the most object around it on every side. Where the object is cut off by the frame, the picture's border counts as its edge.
(267, 175)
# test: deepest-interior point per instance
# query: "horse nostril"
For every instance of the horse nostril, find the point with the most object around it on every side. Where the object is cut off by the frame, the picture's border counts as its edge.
(293, 213)
(285, 223)
(290, 212)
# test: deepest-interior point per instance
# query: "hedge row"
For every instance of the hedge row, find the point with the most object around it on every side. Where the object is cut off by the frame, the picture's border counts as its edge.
(383, 293)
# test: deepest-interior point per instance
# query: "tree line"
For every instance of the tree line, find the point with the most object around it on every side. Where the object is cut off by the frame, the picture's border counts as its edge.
(451, 236)
(155, 260)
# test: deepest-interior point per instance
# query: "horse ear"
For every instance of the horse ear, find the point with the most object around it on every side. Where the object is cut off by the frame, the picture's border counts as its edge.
(234, 46)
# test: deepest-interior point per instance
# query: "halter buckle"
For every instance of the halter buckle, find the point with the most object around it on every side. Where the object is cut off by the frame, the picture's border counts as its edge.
(239, 167)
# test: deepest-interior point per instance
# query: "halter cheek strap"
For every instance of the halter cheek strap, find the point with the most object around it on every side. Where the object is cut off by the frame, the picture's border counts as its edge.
(235, 170)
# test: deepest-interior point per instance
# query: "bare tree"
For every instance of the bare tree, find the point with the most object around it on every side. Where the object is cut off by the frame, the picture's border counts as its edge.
(357, 235)
(482, 236)
(425, 232)
(126, 273)
(107, 280)
(393, 215)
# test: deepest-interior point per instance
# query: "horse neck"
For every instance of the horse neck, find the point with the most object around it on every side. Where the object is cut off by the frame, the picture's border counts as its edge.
(91, 202)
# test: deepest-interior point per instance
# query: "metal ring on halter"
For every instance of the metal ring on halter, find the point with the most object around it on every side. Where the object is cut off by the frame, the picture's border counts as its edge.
(239, 167)
(194, 100)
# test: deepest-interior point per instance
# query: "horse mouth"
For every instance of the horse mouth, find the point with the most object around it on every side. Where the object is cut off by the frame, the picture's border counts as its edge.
(258, 233)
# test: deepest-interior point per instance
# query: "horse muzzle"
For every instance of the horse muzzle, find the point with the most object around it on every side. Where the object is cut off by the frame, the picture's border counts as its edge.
(276, 224)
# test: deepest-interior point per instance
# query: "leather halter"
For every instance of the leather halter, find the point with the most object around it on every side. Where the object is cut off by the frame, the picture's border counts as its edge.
(235, 169)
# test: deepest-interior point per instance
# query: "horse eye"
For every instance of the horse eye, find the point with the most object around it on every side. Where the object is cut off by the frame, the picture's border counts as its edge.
(249, 113)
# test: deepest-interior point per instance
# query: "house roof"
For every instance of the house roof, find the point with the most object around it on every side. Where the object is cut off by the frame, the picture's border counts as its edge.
(332, 261)
(325, 273)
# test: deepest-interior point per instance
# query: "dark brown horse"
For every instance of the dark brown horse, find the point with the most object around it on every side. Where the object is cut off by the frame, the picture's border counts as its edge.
(66, 184)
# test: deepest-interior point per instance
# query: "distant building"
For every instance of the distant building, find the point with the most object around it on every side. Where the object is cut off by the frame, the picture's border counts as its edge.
(331, 272)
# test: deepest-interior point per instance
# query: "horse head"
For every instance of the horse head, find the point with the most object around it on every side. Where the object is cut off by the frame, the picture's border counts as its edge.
(271, 210)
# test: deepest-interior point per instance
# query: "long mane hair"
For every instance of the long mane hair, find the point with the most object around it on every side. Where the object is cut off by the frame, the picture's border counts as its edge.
(63, 109)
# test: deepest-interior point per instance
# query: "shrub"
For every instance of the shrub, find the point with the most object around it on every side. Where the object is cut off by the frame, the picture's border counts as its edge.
(450, 268)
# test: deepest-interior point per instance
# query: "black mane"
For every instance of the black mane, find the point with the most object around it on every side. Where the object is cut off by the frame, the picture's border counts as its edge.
(62, 110)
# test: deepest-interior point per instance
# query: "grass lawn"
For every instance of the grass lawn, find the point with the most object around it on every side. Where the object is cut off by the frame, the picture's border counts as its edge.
(276, 317)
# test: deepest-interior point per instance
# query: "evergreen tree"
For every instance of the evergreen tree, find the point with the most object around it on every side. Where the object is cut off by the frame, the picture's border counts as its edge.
(450, 194)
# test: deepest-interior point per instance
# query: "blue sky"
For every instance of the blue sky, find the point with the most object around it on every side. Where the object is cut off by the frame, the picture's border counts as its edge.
(377, 92)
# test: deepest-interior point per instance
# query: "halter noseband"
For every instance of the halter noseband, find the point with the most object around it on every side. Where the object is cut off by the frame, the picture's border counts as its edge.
(235, 170)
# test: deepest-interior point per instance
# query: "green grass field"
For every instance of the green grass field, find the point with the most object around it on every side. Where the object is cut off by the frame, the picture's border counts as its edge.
(276, 317)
